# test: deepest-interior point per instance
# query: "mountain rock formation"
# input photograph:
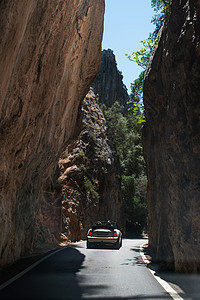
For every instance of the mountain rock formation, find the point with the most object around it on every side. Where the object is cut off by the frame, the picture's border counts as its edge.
(49, 56)
(172, 140)
(108, 84)
(89, 176)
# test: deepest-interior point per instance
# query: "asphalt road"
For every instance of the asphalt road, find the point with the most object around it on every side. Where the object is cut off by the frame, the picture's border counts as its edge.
(79, 273)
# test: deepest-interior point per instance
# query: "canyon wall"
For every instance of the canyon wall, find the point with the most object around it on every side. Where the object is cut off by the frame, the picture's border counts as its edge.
(171, 139)
(50, 53)
(108, 84)
(89, 180)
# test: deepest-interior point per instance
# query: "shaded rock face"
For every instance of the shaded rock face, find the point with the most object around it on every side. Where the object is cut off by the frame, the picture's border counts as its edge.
(89, 180)
(108, 83)
(172, 140)
(49, 55)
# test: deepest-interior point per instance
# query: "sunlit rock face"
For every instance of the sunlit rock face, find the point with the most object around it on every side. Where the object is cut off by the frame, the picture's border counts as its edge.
(89, 178)
(108, 85)
(50, 53)
(172, 140)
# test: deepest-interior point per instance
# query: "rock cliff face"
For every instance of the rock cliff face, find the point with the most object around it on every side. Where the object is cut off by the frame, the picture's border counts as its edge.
(108, 83)
(172, 140)
(49, 55)
(89, 179)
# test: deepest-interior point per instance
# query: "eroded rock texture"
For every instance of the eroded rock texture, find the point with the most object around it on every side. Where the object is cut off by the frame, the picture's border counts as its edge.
(108, 83)
(89, 180)
(172, 140)
(49, 55)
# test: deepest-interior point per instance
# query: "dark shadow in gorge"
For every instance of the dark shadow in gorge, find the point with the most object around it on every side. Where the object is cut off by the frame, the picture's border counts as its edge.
(54, 278)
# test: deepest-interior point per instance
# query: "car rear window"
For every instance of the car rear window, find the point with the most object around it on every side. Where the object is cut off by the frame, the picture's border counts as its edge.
(102, 224)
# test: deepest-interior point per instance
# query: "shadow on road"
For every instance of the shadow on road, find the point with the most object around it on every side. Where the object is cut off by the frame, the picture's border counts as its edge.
(136, 260)
(55, 278)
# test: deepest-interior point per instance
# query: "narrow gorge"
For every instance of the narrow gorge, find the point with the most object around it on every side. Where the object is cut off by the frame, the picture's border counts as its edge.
(59, 170)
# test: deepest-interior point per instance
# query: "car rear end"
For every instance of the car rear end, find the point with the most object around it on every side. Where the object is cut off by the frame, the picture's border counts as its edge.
(103, 236)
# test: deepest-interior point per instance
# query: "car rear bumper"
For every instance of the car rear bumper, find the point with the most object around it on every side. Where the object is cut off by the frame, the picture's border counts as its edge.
(102, 240)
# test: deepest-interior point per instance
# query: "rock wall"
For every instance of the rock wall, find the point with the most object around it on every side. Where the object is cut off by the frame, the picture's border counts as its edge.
(49, 55)
(172, 140)
(89, 181)
(108, 83)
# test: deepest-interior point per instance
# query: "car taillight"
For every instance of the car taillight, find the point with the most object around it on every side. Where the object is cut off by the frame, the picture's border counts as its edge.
(115, 233)
(90, 232)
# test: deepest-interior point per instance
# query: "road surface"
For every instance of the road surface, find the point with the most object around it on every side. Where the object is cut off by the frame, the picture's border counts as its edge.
(79, 273)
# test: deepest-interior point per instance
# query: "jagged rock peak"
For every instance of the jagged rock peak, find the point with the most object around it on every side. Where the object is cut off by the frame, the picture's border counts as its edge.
(108, 84)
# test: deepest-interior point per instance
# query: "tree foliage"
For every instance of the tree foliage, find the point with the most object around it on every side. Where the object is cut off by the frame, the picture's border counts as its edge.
(126, 134)
(141, 57)
(162, 11)
(136, 89)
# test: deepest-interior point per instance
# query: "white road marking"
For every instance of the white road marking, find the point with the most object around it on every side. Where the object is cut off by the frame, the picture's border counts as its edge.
(162, 282)
(11, 280)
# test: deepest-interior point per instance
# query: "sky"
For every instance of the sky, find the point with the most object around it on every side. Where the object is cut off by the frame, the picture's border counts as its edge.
(126, 23)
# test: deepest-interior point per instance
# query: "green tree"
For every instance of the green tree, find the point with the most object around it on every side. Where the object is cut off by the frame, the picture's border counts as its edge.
(162, 10)
(126, 134)
(136, 89)
(142, 56)
(135, 102)
(134, 193)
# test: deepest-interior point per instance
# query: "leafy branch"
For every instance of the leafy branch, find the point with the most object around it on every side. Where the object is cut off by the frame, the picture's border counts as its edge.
(141, 57)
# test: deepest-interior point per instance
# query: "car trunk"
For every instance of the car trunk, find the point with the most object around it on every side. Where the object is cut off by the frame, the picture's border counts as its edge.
(103, 232)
